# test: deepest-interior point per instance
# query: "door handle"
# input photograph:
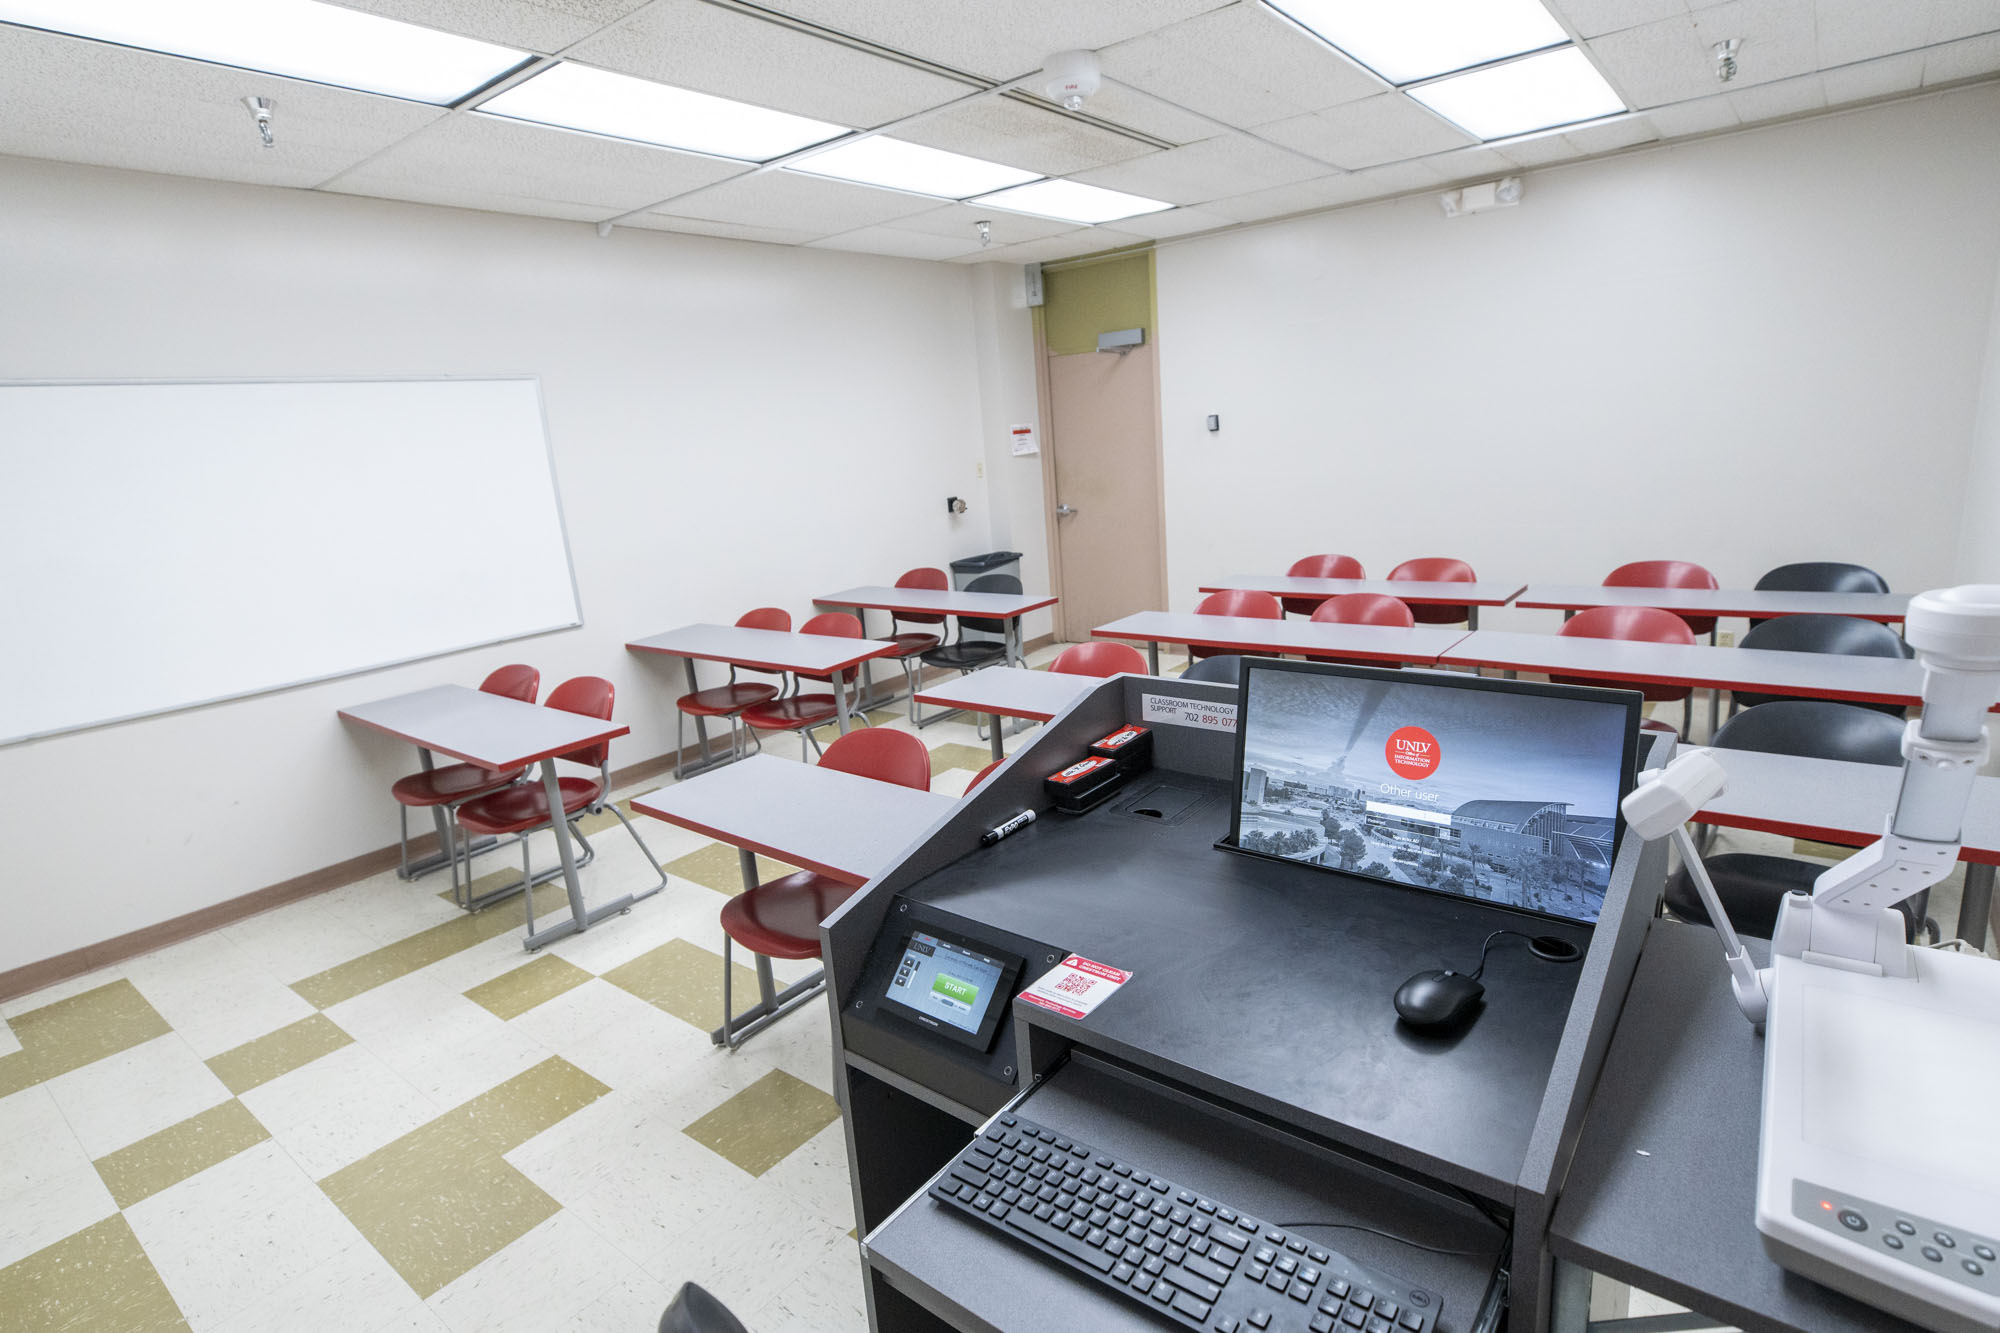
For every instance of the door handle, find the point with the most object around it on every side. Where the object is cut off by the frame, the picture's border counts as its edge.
(1064, 511)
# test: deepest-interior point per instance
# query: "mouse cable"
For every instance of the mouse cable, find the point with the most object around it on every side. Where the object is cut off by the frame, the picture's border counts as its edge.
(1487, 948)
(1377, 1231)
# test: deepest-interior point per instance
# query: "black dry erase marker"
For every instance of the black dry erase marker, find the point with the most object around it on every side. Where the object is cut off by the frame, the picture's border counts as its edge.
(1018, 822)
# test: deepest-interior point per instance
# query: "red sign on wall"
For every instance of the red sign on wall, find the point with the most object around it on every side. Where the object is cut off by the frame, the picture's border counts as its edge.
(1412, 752)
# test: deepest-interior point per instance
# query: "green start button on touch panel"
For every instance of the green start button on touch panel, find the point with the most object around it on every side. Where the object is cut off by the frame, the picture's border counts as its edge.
(955, 990)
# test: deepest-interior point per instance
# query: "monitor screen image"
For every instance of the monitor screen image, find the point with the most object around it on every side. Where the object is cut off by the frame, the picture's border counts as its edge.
(1501, 791)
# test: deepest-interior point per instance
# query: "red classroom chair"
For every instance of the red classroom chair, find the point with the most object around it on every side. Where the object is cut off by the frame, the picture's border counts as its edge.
(455, 784)
(1436, 569)
(1100, 657)
(524, 808)
(980, 776)
(1666, 574)
(911, 647)
(1319, 567)
(1361, 608)
(781, 919)
(1236, 602)
(802, 712)
(1638, 624)
(731, 699)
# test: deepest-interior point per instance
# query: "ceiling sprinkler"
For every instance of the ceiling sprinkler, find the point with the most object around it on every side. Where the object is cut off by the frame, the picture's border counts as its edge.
(985, 232)
(261, 108)
(1725, 58)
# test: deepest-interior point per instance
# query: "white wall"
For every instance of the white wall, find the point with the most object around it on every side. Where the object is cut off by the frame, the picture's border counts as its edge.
(734, 425)
(1005, 333)
(1743, 351)
(1979, 530)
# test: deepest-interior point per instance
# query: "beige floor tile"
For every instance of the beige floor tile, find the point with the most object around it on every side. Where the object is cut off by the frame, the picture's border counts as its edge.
(758, 1127)
(141, 1170)
(61, 990)
(685, 980)
(338, 1109)
(718, 866)
(9, 1043)
(70, 1033)
(123, 1098)
(515, 993)
(944, 757)
(258, 1062)
(543, 1279)
(407, 955)
(96, 1281)
(355, 1289)
(237, 1233)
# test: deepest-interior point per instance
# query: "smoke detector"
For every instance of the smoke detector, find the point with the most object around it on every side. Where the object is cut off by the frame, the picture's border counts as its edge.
(1070, 77)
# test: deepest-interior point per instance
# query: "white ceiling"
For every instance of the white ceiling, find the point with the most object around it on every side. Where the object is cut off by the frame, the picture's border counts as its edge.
(1226, 109)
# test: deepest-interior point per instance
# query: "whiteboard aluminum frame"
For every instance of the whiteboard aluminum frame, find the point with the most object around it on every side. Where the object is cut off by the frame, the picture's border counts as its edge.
(555, 488)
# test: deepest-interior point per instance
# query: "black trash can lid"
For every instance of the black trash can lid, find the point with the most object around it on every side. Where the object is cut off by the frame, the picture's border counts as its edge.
(972, 564)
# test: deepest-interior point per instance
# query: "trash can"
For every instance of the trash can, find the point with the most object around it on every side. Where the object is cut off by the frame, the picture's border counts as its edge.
(973, 567)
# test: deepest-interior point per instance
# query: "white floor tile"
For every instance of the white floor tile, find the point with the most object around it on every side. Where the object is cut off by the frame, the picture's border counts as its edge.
(36, 1142)
(826, 1298)
(456, 1052)
(744, 1244)
(338, 1109)
(57, 1205)
(299, 939)
(815, 1176)
(226, 1008)
(633, 1304)
(124, 1097)
(355, 1289)
(239, 1233)
(62, 990)
(9, 1043)
(535, 1284)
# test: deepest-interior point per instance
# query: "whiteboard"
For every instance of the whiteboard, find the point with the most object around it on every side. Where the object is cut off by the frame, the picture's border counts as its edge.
(165, 545)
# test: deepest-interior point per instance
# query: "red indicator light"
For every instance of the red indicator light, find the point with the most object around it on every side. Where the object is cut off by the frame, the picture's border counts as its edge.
(1824, 1204)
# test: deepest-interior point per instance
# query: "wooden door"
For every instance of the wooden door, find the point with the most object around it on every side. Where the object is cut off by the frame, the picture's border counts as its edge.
(1105, 497)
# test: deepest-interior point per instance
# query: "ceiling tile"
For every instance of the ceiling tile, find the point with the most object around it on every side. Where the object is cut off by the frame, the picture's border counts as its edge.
(1468, 164)
(1656, 63)
(897, 244)
(1769, 101)
(1702, 115)
(1539, 150)
(1284, 200)
(1964, 59)
(733, 231)
(1176, 222)
(1385, 128)
(1953, 19)
(114, 106)
(960, 221)
(1851, 30)
(1149, 114)
(1624, 132)
(725, 53)
(535, 25)
(999, 41)
(1592, 18)
(1197, 172)
(1778, 37)
(515, 164)
(1395, 178)
(1000, 129)
(803, 203)
(1874, 78)
(439, 194)
(1084, 241)
(1243, 65)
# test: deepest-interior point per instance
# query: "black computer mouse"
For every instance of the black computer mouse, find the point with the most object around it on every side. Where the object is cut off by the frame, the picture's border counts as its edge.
(1438, 1001)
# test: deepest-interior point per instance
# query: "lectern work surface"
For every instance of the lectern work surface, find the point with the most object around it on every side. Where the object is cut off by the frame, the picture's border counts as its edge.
(1662, 1191)
(1269, 985)
(1004, 1285)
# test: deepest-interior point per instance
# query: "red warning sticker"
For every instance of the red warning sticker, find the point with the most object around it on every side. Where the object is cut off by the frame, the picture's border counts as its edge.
(1412, 752)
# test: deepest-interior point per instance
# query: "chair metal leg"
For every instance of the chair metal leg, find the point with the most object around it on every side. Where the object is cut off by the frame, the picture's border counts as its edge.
(650, 858)
(772, 1003)
(528, 889)
(402, 841)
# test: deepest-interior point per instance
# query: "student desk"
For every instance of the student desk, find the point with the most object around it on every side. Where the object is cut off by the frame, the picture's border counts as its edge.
(1886, 607)
(838, 824)
(1003, 606)
(763, 650)
(497, 733)
(1009, 691)
(1244, 634)
(1662, 1191)
(1831, 801)
(1470, 595)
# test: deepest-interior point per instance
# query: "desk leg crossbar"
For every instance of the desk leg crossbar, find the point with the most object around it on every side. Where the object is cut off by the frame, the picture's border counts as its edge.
(581, 917)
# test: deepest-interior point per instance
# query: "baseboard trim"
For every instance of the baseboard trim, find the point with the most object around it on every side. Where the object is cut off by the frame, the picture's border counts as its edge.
(63, 966)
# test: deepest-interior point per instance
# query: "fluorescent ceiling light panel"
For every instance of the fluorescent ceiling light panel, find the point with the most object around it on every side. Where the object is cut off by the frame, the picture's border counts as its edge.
(1405, 40)
(300, 39)
(1538, 93)
(577, 97)
(896, 165)
(1072, 201)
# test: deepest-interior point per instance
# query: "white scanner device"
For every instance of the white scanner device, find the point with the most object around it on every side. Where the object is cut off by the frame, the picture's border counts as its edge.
(1878, 1170)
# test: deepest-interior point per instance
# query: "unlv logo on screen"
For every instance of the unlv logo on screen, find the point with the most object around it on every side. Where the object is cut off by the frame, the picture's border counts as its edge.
(1412, 752)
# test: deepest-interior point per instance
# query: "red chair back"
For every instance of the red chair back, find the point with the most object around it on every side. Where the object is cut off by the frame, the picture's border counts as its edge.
(1641, 624)
(1099, 658)
(1436, 569)
(514, 682)
(766, 617)
(1241, 602)
(591, 696)
(980, 776)
(881, 754)
(834, 624)
(1666, 574)
(1319, 567)
(1364, 608)
(928, 578)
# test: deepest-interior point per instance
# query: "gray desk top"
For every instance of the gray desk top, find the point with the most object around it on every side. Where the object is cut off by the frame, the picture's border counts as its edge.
(1010, 692)
(1662, 1192)
(843, 826)
(938, 601)
(1831, 801)
(1883, 606)
(762, 649)
(1408, 590)
(1244, 634)
(1811, 675)
(481, 728)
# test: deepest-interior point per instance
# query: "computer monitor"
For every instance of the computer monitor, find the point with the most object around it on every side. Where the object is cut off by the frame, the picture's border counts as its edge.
(1500, 791)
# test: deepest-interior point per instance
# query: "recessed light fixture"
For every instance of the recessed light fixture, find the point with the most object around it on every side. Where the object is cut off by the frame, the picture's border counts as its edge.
(300, 39)
(577, 97)
(896, 164)
(1406, 40)
(1535, 93)
(1072, 201)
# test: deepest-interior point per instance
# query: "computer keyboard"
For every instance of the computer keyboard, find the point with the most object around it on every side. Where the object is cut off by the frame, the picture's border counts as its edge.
(1170, 1249)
